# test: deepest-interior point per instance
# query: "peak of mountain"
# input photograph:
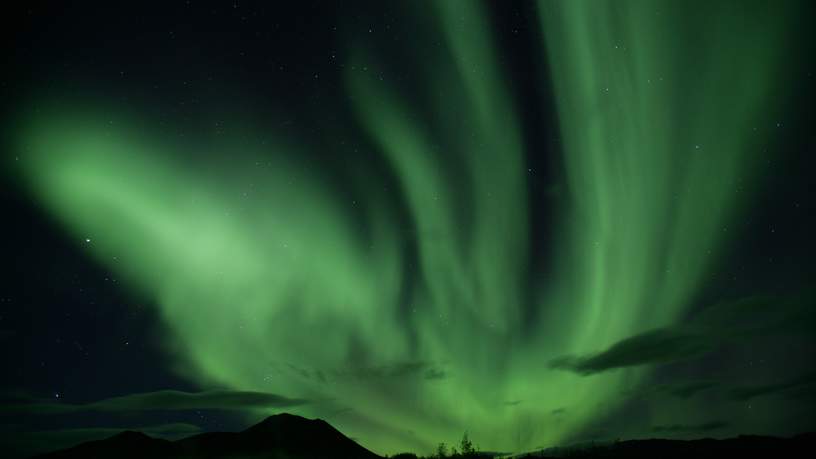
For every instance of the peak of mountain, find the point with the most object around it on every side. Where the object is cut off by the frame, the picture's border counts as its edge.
(126, 445)
(281, 435)
(287, 421)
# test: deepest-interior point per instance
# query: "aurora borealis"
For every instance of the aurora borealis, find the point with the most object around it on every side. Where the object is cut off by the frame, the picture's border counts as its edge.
(448, 226)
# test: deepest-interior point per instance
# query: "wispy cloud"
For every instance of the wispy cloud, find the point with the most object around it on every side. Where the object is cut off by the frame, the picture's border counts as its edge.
(687, 389)
(657, 346)
(726, 322)
(795, 386)
(164, 400)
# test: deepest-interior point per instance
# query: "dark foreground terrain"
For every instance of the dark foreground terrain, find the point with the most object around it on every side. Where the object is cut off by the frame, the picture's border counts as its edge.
(744, 446)
(283, 436)
(287, 436)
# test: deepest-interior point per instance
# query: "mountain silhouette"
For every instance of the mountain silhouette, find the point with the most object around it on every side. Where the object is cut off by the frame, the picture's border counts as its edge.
(283, 436)
(286, 436)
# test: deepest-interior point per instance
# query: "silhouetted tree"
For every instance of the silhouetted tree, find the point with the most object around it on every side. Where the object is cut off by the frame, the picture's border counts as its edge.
(441, 450)
(467, 446)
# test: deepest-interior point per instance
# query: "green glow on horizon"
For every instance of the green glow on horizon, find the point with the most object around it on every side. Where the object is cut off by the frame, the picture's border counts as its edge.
(263, 277)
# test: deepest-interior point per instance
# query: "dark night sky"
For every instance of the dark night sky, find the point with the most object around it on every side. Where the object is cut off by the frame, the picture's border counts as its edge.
(538, 222)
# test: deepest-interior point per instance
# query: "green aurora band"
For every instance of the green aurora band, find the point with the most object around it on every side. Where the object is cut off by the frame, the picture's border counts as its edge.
(267, 283)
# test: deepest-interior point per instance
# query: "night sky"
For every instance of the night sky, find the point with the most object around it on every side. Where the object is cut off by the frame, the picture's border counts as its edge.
(538, 222)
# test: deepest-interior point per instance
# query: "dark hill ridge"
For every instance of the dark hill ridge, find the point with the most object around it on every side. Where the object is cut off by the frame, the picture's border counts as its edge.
(744, 446)
(286, 436)
(283, 436)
